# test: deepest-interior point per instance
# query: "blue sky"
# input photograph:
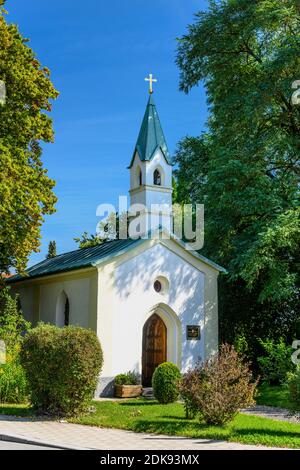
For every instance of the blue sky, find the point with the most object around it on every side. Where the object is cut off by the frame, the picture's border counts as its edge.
(99, 53)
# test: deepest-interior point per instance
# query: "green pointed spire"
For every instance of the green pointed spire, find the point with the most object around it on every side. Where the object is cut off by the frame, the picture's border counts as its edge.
(151, 136)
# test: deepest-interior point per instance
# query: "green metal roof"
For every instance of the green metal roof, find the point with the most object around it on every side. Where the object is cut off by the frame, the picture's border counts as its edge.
(78, 259)
(151, 136)
(88, 257)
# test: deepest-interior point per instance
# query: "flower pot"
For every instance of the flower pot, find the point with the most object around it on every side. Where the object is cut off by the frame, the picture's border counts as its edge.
(128, 391)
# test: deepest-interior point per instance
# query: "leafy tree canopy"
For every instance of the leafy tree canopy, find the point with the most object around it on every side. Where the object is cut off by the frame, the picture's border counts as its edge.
(25, 189)
(88, 240)
(109, 228)
(246, 167)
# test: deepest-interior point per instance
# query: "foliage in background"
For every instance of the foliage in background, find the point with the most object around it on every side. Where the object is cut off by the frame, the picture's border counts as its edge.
(241, 345)
(245, 168)
(52, 252)
(13, 326)
(165, 382)
(274, 395)
(25, 189)
(88, 241)
(293, 382)
(130, 378)
(108, 229)
(13, 383)
(240, 313)
(276, 361)
(218, 388)
(62, 366)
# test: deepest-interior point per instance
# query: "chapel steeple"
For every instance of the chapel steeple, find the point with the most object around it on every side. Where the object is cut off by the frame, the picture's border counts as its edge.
(151, 136)
(151, 170)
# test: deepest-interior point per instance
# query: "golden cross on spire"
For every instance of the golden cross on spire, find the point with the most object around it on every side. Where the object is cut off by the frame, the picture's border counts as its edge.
(151, 80)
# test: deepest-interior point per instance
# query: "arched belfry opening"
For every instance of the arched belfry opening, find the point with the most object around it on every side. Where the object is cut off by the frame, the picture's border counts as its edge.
(63, 310)
(139, 176)
(157, 178)
(154, 347)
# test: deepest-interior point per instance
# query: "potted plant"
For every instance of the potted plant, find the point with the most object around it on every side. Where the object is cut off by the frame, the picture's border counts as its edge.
(127, 385)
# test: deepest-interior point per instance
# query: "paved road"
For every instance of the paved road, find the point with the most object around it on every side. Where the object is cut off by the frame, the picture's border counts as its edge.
(76, 436)
(15, 446)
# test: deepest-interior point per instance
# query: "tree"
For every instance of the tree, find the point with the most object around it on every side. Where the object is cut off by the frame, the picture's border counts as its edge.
(88, 241)
(245, 169)
(25, 189)
(108, 230)
(51, 250)
(12, 323)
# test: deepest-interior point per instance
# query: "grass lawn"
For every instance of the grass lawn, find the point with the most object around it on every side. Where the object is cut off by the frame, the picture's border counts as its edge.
(142, 415)
(15, 410)
(275, 396)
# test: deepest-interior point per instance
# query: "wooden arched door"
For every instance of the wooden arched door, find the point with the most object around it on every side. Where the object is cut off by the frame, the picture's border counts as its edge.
(154, 347)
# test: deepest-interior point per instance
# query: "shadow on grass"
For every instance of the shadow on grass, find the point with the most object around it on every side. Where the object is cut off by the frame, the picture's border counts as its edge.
(139, 403)
(16, 410)
(177, 418)
(182, 428)
(269, 433)
(196, 430)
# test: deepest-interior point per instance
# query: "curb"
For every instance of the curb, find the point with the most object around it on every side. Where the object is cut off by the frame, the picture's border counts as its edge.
(32, 441)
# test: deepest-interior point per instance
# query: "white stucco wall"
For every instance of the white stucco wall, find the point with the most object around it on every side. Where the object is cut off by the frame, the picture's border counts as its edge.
(78, 293)
(29, 299)
(156, 199)
(39, 298)
(149, 193)
(148, 168)
(127, 299)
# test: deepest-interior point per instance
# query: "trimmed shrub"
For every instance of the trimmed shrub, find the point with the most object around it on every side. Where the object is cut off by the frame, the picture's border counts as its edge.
(13, 383)
(165, 382)
(130, 378)
(218, 388)
(187, 389)
(276, 362)
(62, 367)
(293, 382)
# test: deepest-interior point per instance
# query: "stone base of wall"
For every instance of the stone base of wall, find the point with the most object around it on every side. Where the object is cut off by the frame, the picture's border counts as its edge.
(105, 387)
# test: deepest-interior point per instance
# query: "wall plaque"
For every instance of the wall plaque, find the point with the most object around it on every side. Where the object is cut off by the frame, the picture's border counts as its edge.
(193, 332)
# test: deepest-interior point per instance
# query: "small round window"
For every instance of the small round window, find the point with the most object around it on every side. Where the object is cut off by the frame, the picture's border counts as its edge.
(157, 286)
(161, 285)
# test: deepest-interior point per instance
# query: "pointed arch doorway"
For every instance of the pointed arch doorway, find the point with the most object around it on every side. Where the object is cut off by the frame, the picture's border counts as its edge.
(154, 347)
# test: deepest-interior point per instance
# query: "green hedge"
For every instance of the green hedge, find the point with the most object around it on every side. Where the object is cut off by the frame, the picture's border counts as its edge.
(62, 366)
(165, 382)
(276, 362)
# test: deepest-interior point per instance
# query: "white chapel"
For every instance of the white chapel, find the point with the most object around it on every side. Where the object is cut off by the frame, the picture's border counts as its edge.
(150, 299)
